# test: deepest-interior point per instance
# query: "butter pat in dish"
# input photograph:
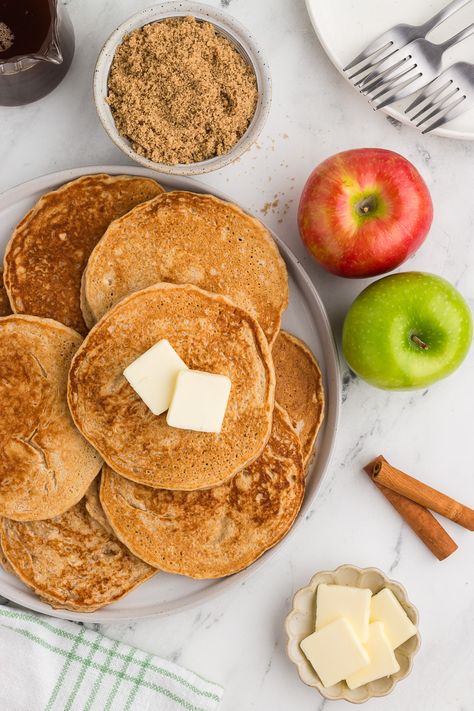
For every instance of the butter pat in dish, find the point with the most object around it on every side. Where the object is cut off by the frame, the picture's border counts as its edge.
(153, 375)
(335, 652)
(199, 401)
(336, 601)
(385, 608)
(300, 624)
(382, 659)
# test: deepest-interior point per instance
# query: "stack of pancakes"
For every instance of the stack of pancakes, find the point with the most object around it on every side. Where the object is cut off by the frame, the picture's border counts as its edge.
(97, 494)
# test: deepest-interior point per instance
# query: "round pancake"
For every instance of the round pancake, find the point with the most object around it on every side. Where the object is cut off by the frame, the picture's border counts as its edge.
(5, 308)
(46, 465)
(299, 388)
(185, 238)
(217, 532)
(209, 333)
(50, 247)
(71, 561)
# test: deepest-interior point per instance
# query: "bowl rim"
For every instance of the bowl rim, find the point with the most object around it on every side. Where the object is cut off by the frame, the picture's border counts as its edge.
(311, 587)
(230, 27)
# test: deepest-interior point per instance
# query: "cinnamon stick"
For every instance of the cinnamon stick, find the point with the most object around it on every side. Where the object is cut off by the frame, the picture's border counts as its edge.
(420, 520)
(396, 480)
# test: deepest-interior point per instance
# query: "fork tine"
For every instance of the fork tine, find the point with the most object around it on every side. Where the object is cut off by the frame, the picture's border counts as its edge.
(401, 91)
(430, 90)
(376, 46)
(457, 110)
(434, 102)
(386, 82)
(373, 61)
(388, 64)
(367, 83)
(442, 106)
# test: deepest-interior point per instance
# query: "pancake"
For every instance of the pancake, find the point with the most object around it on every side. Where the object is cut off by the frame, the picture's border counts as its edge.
(50, 247)
(209, 333)
(299, 388)
(5, 308)
(46, 465)
(94, 507)
(70, 561)
(217, 532)
(185, 238)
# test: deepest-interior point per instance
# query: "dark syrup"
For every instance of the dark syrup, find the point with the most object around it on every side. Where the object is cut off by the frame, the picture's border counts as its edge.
(26, 28)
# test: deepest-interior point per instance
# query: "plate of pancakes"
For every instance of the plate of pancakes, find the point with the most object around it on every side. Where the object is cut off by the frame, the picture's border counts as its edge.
(106, 512)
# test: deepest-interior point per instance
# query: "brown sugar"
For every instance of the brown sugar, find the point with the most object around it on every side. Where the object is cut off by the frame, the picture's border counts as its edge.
(181, 92)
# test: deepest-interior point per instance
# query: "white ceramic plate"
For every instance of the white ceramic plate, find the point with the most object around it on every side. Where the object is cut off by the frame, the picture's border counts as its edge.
(345, 27)
(305, 317)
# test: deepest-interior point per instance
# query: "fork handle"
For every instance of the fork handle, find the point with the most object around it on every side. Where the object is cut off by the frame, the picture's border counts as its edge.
(467, 32)
(443, 15)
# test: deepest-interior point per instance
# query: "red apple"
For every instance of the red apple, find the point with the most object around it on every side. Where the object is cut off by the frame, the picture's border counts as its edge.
(363, 212)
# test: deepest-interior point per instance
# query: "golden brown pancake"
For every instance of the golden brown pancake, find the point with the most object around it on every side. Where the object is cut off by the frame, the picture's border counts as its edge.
(219, 531)
(50, 247)
(46, 465)
(5, 308)
(299, 388)
(209, 333)
(185, 238)
(71, 561)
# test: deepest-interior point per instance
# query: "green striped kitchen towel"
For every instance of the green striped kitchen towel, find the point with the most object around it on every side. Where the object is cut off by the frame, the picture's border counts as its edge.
(47, 664)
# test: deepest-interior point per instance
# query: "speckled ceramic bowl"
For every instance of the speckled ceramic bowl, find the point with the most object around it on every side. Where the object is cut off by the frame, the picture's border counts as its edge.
(301, 622)
(225, 25)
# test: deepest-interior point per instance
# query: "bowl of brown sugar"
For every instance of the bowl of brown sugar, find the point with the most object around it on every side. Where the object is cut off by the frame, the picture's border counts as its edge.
(182, 88)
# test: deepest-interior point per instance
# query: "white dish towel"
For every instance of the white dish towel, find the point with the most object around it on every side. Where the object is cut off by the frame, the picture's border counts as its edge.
(47, 664)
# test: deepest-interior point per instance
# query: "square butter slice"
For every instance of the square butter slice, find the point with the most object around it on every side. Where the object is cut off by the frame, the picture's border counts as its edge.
(382, 659)
(199, 401)
(334, 601)
(335, 652)
(153, 375)
(397, 625)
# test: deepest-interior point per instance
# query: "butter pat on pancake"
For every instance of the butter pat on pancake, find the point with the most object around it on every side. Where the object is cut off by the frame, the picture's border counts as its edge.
(50, 247)
(209, 333)
(71, 561)
(5, 308)
(299, 388)
(219, 531)
(46, 464)
(185, 238)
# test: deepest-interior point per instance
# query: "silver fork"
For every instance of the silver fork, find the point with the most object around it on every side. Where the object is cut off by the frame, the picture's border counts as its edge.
(399, 36)
(446, 97)
(408, 69)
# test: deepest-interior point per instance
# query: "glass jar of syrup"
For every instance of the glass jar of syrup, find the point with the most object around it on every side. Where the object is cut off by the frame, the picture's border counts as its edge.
(36, 49)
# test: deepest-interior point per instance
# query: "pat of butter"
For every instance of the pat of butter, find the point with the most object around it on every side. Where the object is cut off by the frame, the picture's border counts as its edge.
(334, 601)
(199, 401)
(153, 375)
(335, 652)
(397, 625)
(382, 659)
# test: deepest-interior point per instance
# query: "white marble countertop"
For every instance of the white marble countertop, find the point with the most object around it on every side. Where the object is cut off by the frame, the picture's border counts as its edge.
(238, 638)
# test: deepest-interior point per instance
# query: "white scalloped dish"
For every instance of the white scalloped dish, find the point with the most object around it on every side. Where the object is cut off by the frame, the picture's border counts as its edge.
(301, 622)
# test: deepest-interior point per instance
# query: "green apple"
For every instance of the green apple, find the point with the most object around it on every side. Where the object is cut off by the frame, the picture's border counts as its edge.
(406, 331)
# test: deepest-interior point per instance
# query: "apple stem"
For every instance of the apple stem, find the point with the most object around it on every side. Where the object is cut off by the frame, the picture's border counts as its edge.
(367, 205)
(418, 342)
